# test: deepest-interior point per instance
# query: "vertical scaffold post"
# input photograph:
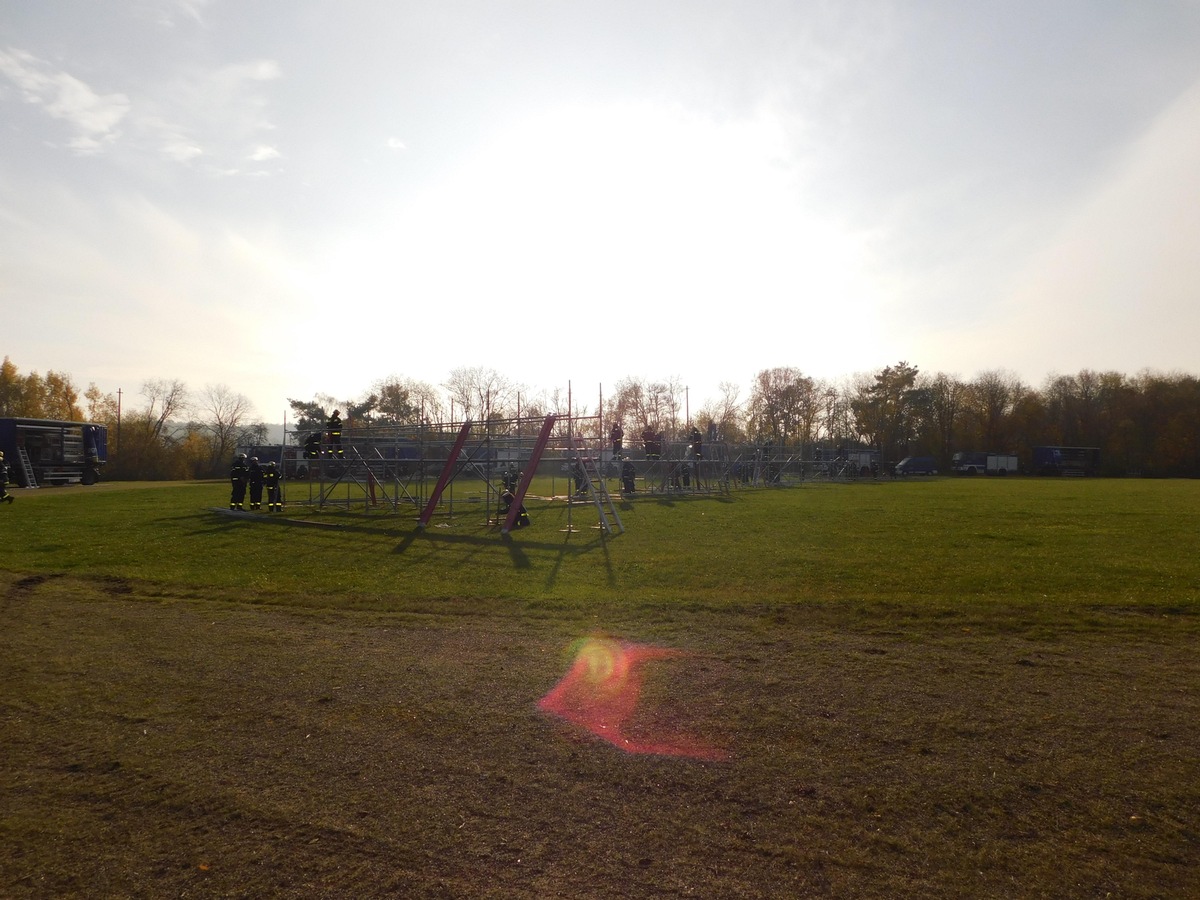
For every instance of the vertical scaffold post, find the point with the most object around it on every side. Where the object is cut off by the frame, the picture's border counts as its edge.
(527, 476)
(447, 474)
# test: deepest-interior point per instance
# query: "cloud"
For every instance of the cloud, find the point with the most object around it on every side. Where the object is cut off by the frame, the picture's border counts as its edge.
(214, 115)
(394, 143)
(190, 9)
(169, 13)
(93, 116)
(262, 153)
(181, 150)
(217, 115)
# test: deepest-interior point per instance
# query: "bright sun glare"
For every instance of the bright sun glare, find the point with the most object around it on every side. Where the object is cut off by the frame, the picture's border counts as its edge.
(653, 207)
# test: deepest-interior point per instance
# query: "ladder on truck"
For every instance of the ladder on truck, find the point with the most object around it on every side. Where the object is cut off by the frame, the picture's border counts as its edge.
(26, 465)
(596, 486)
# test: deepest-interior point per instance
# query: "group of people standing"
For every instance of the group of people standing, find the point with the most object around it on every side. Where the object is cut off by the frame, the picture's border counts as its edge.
(654, 445)
(257, 478)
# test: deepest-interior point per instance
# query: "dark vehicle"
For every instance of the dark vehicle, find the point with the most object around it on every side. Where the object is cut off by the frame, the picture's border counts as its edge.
(917, 465)
(1079, 461)
(967, 462)
(48, 451)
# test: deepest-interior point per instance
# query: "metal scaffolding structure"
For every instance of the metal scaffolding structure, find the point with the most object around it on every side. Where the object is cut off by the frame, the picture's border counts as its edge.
(446, 471)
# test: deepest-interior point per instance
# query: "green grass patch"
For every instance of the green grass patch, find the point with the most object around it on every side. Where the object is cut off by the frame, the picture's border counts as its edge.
(937, 687)
(1052, 549)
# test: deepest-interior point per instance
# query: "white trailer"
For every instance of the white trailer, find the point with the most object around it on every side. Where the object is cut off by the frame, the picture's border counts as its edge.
(1001, 464)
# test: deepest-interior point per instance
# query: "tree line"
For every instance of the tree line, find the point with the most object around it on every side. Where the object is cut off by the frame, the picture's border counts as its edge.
(167, 433)
(1147, 424)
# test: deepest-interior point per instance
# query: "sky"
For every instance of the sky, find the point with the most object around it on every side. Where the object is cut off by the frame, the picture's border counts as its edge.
(293, 198)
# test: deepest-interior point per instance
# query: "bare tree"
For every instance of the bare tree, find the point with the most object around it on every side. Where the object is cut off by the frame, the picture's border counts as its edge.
(664, 400)
(481, 393)
(627, 403)
(227, 418)
(724, 413)
(835, 419)
(165, 400)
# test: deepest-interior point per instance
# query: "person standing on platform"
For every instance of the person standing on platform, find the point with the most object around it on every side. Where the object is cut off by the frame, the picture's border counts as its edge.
(616, 435)
(271, 482)
(239, 474)
(335, 434)
(255, 478)
(648, 443)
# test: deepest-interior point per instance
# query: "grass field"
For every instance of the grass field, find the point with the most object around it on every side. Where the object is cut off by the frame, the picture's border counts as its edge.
(935, 688)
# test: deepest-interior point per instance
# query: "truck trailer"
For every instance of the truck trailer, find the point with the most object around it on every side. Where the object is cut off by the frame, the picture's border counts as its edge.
(50, 451)
(1082, 461)
(967, 462)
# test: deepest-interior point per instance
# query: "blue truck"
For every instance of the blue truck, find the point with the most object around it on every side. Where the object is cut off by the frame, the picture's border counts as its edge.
(1079, 461)
(50, 451)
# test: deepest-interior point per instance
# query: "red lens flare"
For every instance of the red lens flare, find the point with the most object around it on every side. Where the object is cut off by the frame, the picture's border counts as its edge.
(600, 694)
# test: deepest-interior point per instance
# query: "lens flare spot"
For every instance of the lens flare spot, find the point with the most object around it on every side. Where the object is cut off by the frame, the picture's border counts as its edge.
(601, 692)
(599, 660)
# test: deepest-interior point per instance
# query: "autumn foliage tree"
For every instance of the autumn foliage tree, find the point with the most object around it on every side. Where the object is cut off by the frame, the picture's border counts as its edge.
(33, 396)
(1147, 424)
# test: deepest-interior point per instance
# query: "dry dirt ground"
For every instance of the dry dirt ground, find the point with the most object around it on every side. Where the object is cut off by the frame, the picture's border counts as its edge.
(156, 747)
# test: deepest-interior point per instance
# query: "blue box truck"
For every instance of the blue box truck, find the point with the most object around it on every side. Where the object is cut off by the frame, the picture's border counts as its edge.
(49, 451)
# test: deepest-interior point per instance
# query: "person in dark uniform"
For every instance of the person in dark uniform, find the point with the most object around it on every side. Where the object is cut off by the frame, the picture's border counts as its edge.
(697, 453)
(312, 446)
(648, 443)
(239, 474)
(335, 434)
(616, 435)
(5, 496)
(255, 479)
(510, 478)
(271, 482)
(578, 475)
(628, 474)
(506, 502)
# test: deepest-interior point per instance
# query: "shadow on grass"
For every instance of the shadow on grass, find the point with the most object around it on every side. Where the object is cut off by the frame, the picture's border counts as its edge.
(232, 519)
(682, 497)
(518, 550)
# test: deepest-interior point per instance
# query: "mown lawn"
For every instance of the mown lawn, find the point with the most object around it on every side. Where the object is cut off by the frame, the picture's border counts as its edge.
(976, 687)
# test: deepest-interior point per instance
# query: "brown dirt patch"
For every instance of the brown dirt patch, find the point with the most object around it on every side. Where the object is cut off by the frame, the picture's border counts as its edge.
(157, 747)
